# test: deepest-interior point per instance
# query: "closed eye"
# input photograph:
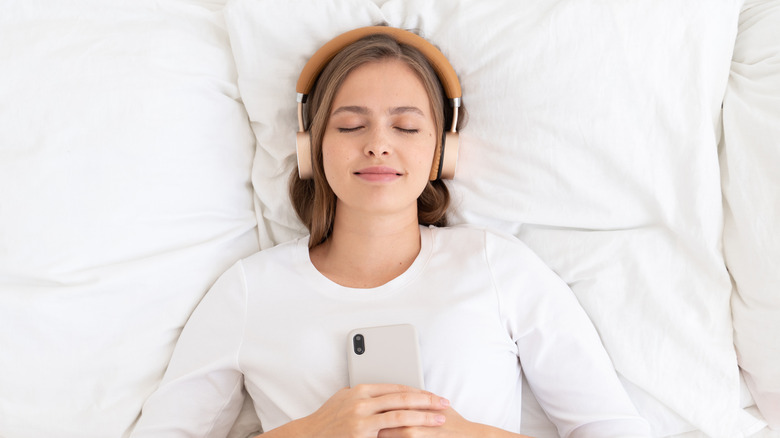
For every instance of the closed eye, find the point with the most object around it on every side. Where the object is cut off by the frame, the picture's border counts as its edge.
(408, 131)
(349, 129)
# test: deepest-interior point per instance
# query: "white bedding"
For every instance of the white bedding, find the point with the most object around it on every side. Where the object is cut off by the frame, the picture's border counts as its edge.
(124, 191)
(751, 189)
(146, 145)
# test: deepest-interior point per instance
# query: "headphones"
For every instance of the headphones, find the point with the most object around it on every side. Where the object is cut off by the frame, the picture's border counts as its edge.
(446, 155)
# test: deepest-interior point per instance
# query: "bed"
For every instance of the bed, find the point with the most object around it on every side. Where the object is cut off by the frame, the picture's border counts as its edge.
(145, 147)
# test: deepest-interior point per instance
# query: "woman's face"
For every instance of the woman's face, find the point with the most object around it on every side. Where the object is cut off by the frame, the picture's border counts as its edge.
(379, 141)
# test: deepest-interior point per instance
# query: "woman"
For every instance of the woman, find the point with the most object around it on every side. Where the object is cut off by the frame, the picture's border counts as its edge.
(379, 254)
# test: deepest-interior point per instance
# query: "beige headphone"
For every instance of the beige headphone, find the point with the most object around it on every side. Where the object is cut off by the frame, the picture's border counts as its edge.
(445, 157)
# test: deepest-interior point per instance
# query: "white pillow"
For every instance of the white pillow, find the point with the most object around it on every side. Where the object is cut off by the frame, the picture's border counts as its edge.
(271, 42)
(750, 158)
(592, 136)
(125, 158)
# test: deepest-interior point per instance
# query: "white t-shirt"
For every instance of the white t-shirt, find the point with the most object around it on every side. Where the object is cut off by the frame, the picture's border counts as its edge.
(485, 308)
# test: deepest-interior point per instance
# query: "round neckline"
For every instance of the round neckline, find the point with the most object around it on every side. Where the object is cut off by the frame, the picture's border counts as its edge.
(326, 286)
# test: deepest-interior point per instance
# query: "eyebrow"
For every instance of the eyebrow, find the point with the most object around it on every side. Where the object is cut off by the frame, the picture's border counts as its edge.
(406, 109)
(365, 111)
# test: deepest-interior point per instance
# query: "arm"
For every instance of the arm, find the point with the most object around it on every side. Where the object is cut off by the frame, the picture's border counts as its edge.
(200, 394)
(559, 350)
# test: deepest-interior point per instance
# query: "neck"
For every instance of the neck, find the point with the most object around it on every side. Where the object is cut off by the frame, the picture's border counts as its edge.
(366, 251)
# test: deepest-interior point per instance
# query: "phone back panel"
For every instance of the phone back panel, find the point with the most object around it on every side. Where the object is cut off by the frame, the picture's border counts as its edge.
(391, 355)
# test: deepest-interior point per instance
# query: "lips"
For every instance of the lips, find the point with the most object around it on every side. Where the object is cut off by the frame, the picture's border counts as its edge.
(378, 173)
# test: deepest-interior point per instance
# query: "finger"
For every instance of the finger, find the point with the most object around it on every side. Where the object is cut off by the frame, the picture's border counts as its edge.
(410, 401)
(397, 432)
(405, 432)
(403, 419)
(378, 389)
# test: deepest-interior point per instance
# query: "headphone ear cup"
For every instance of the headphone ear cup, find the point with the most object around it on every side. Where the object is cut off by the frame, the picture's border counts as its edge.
(436, 165)
(445, 158)
(303, 145)
(449, 159)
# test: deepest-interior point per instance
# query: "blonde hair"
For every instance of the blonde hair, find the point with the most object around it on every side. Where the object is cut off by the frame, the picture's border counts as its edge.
(313, 199)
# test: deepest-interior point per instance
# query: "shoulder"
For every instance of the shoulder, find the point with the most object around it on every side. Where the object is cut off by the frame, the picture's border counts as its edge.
(495, 244)
(511, 263)
(277, 263)
(283, 253)
(465, 232)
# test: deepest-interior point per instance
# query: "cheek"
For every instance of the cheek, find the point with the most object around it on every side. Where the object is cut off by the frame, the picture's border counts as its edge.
(335, 162)
(329, 165)
(424, 159)
(429, 149)
(327, 158)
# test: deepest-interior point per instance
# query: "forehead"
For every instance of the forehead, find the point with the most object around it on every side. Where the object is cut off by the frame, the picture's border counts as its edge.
(391, 79)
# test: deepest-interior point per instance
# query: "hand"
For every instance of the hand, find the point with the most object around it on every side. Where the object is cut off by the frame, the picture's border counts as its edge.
(455, 426)
(364, 410)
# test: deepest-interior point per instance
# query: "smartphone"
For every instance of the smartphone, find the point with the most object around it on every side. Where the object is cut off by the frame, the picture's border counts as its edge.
(385, 354)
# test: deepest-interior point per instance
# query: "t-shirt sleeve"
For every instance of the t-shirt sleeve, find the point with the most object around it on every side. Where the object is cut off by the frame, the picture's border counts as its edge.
(559, 349)
(200, 394)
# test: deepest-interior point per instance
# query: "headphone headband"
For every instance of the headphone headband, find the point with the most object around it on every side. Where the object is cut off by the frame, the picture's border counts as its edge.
(320, 59)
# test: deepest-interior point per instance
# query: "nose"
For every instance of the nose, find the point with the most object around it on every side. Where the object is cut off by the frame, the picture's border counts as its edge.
(378, 143)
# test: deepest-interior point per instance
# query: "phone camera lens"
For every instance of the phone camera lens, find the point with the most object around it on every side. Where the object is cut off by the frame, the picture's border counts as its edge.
(359, 344)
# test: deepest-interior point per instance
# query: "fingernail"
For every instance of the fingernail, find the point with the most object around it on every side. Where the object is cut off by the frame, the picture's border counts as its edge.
(445, 402)
(439, 419)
